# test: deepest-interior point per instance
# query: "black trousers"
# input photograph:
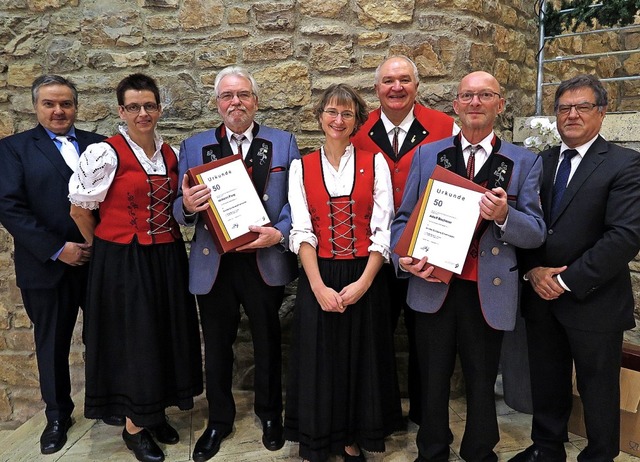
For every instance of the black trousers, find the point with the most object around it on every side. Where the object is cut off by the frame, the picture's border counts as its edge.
(553, 349)
(239, 283)
(53, 313)
(458, 327)
(398, 297)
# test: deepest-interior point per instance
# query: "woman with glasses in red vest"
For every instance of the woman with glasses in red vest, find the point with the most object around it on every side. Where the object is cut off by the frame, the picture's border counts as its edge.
(140, 322)
(342, 393)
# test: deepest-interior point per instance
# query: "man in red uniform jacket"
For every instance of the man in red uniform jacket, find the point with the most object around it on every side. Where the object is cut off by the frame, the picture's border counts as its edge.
(397, 128)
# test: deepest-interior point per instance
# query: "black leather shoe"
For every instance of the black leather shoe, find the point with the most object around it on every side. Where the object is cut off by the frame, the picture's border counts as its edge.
(115, 420)
(272, 434)
(54, 435)
(165, 433)
(208, 444)
(143, 446)
(535, 453)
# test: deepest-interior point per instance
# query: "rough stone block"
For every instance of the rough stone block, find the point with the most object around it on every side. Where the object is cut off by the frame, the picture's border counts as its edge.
(298, 88)
(323, 9)
(275, 16)
(275, 49)
(200, 14)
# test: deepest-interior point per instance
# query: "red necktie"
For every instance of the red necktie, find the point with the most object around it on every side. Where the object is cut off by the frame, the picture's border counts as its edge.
(395, 141)
(471, 163)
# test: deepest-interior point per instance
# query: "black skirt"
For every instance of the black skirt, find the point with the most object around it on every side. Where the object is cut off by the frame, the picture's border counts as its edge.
(141, 332)
(342, 384)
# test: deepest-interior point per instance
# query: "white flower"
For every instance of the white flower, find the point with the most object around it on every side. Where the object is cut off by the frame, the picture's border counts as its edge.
(547, 134)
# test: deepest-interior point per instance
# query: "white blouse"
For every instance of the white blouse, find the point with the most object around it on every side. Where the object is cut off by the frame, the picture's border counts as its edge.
(97, 166)
(340, 183)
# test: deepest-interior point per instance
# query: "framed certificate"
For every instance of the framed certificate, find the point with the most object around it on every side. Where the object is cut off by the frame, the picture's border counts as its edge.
(443, 222)
(234, 204)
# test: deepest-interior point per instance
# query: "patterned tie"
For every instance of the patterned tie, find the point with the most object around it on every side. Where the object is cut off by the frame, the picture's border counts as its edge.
(239, 139)
(396, 130)
(562, 178)
(68, 151)
(471, 163)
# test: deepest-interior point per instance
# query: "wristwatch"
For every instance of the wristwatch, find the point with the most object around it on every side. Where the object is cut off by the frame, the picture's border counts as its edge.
(281, 240)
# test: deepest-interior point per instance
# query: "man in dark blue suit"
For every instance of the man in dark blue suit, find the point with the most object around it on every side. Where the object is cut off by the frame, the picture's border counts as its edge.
(50, 253)
(579, 299)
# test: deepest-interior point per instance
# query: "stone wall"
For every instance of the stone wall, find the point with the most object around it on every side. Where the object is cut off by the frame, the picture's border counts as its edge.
(294, 48)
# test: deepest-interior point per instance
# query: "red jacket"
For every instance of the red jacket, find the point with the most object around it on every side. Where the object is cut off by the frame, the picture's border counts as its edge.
(429, 125)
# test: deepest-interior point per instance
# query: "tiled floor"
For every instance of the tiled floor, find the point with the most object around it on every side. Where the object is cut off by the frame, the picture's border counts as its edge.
(95, 441)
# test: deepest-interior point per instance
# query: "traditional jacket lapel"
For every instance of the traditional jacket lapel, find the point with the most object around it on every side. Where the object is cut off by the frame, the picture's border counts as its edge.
(414, 137)
(379, 136)
(261, 151)
(218, 150)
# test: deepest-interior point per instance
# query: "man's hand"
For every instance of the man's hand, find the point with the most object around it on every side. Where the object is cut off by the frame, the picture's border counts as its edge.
(268, 236)
(194, 198)
(545, 283)
(493, 205)
(75, 254)
(419, 269)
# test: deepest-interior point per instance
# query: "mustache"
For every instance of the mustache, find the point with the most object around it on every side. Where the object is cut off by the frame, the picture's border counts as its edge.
(239, 107)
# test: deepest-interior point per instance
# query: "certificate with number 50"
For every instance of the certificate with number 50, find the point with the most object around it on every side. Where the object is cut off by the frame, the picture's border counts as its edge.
(234, 204)
(443, 222)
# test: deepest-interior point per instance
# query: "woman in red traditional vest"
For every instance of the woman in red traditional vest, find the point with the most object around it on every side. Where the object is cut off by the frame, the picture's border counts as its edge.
(140, 322)
(342, 393)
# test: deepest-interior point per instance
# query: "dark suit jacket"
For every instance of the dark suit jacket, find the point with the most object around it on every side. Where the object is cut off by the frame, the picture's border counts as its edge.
(596, 234)
(34, 206)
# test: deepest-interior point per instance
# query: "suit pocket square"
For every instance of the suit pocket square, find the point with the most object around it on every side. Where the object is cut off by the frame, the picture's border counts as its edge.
(277, 169)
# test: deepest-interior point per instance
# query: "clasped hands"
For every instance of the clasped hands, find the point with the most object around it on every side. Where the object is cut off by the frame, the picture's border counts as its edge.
(544, 281)
(195, 199)
(75, 254)
(331, 300)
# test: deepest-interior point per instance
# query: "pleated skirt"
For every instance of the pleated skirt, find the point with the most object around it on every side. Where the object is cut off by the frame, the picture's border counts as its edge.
(140, 332)
(342, 386)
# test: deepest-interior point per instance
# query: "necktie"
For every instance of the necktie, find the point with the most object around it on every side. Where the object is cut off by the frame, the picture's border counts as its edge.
(396, 130)
(562, 177)
(471, 163)
(68, 151)
(239, 139)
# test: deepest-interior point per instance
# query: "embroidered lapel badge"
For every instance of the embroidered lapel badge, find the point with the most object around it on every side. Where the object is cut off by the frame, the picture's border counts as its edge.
(262, 154)
(444, 161)
(499, 174)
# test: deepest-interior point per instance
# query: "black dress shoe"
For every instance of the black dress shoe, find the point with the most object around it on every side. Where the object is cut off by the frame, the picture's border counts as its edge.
(535, 453)
(115, 420)
(165, 433)
(54, 435)
(143, 446)
(272, 434)
(208, 444)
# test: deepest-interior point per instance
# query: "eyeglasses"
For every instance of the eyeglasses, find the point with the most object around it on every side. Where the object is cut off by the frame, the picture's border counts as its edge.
(346, 115)
(582, 108)
(134, 108)
(242, 96)
(485, 96)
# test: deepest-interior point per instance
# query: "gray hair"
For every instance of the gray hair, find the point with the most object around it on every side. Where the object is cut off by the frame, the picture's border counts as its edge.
(52, 79)
(239, 71)
(406, 58)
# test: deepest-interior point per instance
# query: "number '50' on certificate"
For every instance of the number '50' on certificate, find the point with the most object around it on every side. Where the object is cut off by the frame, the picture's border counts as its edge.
(234, 204)
(442, 224)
